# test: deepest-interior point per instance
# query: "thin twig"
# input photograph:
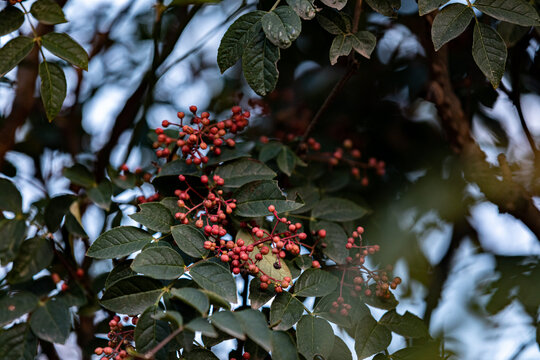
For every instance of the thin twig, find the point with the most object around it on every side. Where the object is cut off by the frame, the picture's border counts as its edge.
(356, 18)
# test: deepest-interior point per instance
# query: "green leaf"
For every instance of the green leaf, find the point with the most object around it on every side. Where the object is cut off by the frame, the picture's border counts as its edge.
(177, 167)
(51, 321)
(132, 295)
(283, 347)
(363, 42)
(408, 325)
(427, 6)
(341, 46)
(270, 151)
(304, 8)
(449, 23)
(200, 354)
(370, 337)
(190, 240)
(101, 194)
(203, 326)
(257, 296)
(379, 302)
(13, 52)
(336, 4)
(63, 46)
(286, 160)
(215, 278)
(511, 33)
(56, 209)
(118, 242)
(336, 23)
(243, 171)
(193, 297)
(315, 282)
(314, 337)
(282, 26)
(228, 323)
(80, 175)
(53, 88)
(171, 316)
(159, 263)
(35, 254)
(217, 300)
(266, 265)
(155, 217)
(10, 197)
(255, 327)
(241, 150)
(386, 7)
(11, 18)
(16, 305)
(48, 12)
(18, 343)
(335, 240)
(192, 2)
(119, 272)
(259, 63)
(324, 309)
(253, 199)
(12, 233)
(340, 351)
(150, 331)
(336, 209)
(427, 351)
(519, 12)
(489, 53)
(236, 38)
(285, 311)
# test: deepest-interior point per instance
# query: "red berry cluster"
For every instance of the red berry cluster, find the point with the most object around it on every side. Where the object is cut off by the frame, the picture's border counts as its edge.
(245, 356)
(119, 339)
(13, 2)
(209, 212)
(200, 134)
(142, 199)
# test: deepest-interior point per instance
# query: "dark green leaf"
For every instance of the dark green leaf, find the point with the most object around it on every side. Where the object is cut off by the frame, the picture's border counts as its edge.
(335, 240)
(10, 197)
(35, 254)
(370, 337)
(217, 300)
(336, 4)
(193, 297)
(386, 7)
(511, 33)
(379, 302)
(190, 240)
(340, 351)
(13, 52)
(171, 316)
(101, 194)
(12, 233)
(132, 295)
(119, 272)
(236, 38)
(254, 198)
(341, 46)
(16, 305)
(159, 263)
(315, 282)
(270, 151)
(51, 321)
(177, 167)
(286, 160)
(257, 296)
(427, 6)
(325, 309)
(150, 331)
(203, 326)
(309, 195)
(336, 209)
(304, 8)
(78, 174)
(282, 26)
(489, 53)
(118, 242)
(243, 171)
(285, 311)
(334, 22)
(283, 347)
(255, 327)
(449, 23)
(241, 150)
(48, 12)
(63, 46)
(259, 63)
(314, 337)
(154, 216)
(407, 325)
(518, 12)
(11, 18)
(215, 278)
(228, 323)
(56, 209)
(200, 354)
(18, 343)
(53, 88)
(363, 42)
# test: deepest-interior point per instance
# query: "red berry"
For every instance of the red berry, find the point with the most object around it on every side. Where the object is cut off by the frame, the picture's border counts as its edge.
(315, 264)
(65, 287)
(193, 109)
(80, 272)
(165, 123)
(55, 278)
(246, 355)
(322, 233)
(271, 208)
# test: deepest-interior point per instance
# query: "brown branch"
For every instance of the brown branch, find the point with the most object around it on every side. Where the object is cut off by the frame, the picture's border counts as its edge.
(356, 16)
(49, 350)
(508, 195)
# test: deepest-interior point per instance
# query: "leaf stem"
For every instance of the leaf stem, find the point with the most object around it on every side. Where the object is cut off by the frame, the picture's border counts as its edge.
(275, 6)
(150, 354)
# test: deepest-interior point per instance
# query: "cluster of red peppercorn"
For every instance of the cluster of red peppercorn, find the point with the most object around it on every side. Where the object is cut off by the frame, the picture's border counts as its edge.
(200, 135)
(119, 339)
(79, 273)
(361, 277)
